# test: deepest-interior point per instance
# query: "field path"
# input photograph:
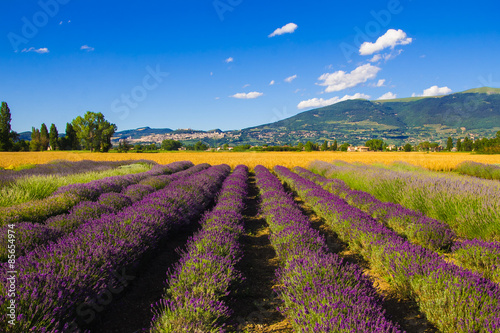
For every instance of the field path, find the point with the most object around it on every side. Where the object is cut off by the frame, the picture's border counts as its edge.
(132, 312)
(255, 303)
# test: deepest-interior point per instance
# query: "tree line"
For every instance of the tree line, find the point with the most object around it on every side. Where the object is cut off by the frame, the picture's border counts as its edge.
(91, 132)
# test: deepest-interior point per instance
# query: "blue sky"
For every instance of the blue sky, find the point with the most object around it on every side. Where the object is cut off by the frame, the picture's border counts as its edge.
(232, 64)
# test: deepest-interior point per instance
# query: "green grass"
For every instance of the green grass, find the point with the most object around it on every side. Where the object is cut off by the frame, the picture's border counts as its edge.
(39, 187)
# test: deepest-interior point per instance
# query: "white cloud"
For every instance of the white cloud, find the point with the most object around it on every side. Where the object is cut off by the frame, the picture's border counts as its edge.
(228, 60)
(390, 39)
(246, 85)
(388, 95)
(217, 98)
(87, 48)
(272, 83)
(290, 78)
(286, 29)
(380, 83)
(436, 91)
(319, 102)
(341, 80)
(376, 58)
(40, 50)
(250, 95)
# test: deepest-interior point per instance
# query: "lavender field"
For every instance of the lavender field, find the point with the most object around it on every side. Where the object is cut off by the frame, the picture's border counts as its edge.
(200, 248)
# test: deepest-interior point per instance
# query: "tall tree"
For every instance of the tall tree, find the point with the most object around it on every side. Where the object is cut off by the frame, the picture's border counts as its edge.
(449, 144)
(72, 142)
(54, 137)
(44, 137)
(335, 145)
(324, 146)
(6, 142)
(459, 145)
(35, 144)
(94, 131)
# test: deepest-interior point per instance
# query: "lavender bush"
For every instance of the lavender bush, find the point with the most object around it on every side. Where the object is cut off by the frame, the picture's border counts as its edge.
(30, 237)
(418, 228)
(201, 280)
(452, 298)
(62, 286)
(67, 196)
(470, 206)
(321, 292)
(63, 168)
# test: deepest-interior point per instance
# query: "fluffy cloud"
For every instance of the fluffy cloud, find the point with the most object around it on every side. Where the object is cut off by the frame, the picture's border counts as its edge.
(250, 95)
(87, 48)
(272, 83)
(290, 78)
(228, 60)
(388, 95)
(319, 102)
(40, 50)
(379, 84)
(286, 29)
(390, 39)
(341, 80)
(436, 91)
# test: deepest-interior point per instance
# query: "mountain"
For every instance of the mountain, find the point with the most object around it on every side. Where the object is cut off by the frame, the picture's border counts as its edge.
(474, 112)
(139, 133)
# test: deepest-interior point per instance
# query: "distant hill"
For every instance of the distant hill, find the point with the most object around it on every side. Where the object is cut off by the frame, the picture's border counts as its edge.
(474, 112)
(139, 132)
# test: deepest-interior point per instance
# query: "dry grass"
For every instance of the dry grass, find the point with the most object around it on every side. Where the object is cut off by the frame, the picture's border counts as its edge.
(432, 161)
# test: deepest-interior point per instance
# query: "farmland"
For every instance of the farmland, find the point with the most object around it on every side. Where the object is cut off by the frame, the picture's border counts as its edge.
(432, 161)
(253, 242)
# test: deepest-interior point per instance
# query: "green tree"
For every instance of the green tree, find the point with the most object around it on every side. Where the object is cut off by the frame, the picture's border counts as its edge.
(433, 146)
(344, 146)
(6, 142)
(375, 144)
(324, 146)
(407, 147)
(54, 137)
(300, 146)
(425, 145)
(170, 144)
(44, 137)
(335, 146)
(35, 143)
(467, 144)
(459, 145)
(449, 144)
(310, 146)
(200, 146)
(94, 131)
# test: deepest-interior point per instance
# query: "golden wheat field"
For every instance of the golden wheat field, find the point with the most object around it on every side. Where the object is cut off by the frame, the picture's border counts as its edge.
(432, 161)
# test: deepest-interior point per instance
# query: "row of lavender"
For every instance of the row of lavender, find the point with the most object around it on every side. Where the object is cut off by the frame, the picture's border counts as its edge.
(452, 298)
(417, 227)
(200, 281)
(31, 235)
(321, 292)
(470, 206)
(477, 255)
(63, 285)
(68, 196)
(62, 168)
